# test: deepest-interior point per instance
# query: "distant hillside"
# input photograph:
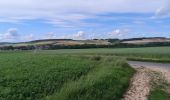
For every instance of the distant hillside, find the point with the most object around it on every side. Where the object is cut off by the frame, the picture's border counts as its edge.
(52, 44)
(65, 42)
(145, 40)
(5, 43)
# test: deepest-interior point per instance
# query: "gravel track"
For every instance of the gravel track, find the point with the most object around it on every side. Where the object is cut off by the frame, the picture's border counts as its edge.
(140, 84)
(139, 88)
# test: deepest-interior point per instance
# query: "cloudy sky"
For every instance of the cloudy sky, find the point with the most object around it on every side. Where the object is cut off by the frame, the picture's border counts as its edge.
(25, 20)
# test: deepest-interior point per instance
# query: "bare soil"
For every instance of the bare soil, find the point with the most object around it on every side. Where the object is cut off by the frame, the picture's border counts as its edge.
(140, 86)
(142, 82)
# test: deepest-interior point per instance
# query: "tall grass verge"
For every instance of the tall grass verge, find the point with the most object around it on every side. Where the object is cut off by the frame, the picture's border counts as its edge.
(108, 81)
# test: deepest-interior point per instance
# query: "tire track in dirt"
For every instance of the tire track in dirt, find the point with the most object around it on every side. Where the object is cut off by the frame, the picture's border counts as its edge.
(141, 82)
(139, 88)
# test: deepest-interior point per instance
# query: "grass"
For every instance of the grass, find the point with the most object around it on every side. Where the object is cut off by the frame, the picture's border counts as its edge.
(159, 94)
(35, 76)
(155, 54)
(159, 87)
(73, 74)
(103, 83)
(25, 76)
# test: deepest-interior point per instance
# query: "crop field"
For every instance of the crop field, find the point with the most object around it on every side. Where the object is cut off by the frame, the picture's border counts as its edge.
(44, 76)
(72, 74)
(156, 54)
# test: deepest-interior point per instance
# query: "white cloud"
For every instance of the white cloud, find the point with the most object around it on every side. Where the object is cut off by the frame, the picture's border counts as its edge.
(79, 35)
(11, 34)
(163, 11)
(72, 10)
(119, 33)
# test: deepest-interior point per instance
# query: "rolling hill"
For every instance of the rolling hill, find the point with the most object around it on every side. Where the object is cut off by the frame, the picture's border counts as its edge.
(80, 44)
(146, 40)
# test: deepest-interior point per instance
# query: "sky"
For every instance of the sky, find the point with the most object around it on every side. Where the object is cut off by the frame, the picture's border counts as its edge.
(27, 20)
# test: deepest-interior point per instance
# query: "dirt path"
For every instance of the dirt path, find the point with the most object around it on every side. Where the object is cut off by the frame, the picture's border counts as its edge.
(141, 82)
(139, 88)
(163, 69)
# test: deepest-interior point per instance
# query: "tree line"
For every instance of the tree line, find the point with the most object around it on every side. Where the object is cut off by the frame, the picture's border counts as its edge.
(83, 46)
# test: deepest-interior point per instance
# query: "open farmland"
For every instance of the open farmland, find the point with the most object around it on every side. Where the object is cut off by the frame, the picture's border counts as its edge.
(73, 74)
(84, 49)
(156, 54)
(34, 76)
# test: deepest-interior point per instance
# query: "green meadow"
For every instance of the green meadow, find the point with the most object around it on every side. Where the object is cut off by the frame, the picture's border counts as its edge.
(154, 54)
(72, 74)
(34, 76)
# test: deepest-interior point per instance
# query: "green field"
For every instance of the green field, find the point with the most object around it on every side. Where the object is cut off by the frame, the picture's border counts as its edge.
(156, 54)
(159, 94)
(30, 76)
(72, 74)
